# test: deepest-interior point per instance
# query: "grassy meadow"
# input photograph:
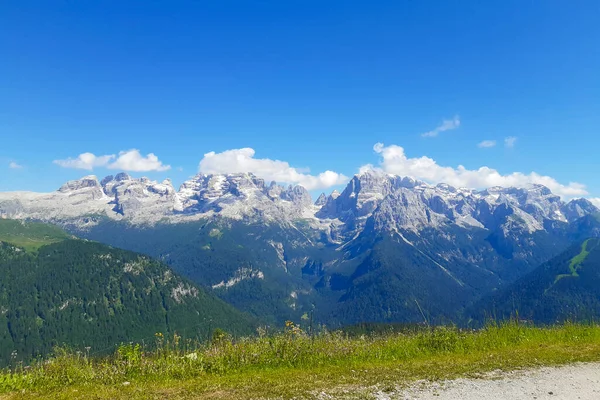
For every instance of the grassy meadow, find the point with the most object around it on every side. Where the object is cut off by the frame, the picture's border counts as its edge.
(293, 364)
(30, 236)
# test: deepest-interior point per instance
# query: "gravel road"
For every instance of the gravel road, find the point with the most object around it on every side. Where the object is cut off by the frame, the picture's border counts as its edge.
(578, 381)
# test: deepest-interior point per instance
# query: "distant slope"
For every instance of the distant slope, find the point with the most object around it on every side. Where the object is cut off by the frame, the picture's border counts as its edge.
(565, 288)
(278, 272)
(30, 235)
(255, 268)
(83, 293)
(395, 283)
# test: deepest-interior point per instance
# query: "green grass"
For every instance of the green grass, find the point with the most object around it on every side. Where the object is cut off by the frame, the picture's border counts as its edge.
(30, 235)
(294, 365)
(576, 262)
(579, 258)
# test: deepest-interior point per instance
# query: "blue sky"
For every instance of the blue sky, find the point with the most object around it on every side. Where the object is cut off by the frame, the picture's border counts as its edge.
(313, 84)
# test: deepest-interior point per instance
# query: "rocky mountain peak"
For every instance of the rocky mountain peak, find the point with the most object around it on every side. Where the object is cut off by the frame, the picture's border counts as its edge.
(298, 195)
(321, 200)
(134, 197)
(89, 181)
(106, 180)
(541, 189)
(394, 201)
(446, 188)
(363, 194)
(208, 188)
(243, 195)
(122, 176)
(84, 189)
(578, 208)
(245, 181)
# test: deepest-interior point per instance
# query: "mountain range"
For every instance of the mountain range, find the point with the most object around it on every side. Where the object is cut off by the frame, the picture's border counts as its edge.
(387, 248)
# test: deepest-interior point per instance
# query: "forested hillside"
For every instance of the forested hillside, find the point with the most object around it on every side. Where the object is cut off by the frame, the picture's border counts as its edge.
(86, 294)
(565, 288)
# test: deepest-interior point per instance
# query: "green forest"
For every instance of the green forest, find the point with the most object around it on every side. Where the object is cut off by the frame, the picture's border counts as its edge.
(91, 297)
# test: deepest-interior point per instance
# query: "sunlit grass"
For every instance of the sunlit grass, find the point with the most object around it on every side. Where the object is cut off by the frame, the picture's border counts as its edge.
(30, 235)
(293, 364)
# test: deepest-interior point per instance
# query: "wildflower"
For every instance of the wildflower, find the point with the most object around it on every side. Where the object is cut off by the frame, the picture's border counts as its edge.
(262, 332)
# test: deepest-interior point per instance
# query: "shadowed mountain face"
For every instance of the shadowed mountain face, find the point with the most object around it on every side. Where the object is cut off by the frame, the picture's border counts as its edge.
(387, 248)
(565, 288)
(56, 290)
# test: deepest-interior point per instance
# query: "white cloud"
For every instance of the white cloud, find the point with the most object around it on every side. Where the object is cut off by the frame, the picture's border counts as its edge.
(447, 125)
(130, 160)
(14, 165)
(487, 144)
(510, 141)
(395, 161)
(242, 160)
(86, 161)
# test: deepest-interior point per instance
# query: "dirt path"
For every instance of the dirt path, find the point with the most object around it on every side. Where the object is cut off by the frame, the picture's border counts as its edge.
(578, 381)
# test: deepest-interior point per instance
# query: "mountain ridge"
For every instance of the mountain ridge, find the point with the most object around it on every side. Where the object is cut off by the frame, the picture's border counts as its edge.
(271, 251)
(141, 200)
